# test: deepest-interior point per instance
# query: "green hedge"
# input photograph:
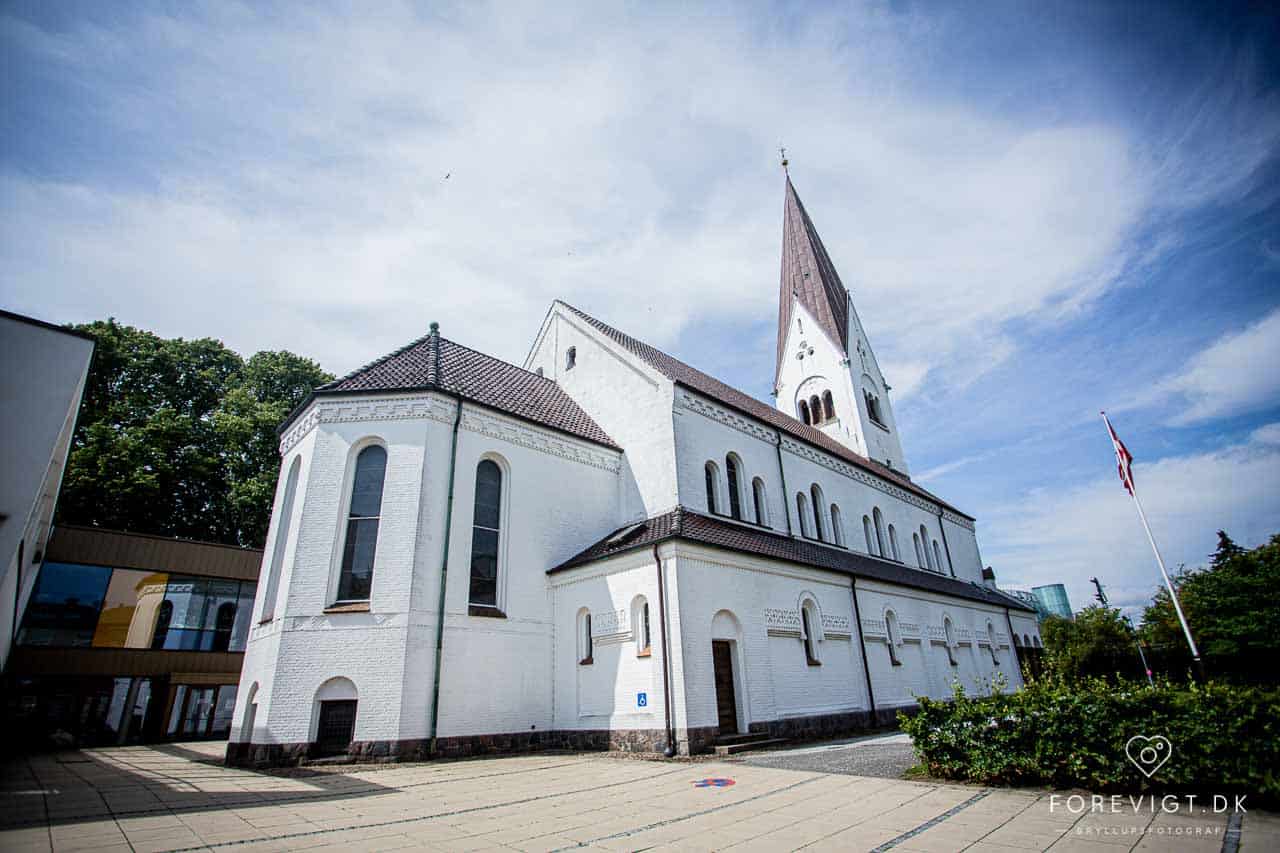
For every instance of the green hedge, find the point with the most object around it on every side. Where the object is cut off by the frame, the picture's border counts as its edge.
(1226, 739)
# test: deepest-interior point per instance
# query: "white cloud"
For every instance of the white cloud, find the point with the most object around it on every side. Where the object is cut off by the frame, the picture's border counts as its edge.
(297, 195)
(1093, 529)
(1235, 375)
(1266, 434)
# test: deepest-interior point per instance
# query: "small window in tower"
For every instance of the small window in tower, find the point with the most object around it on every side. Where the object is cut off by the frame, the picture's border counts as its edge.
(828, 405)
(570, 358)
(815, 409)
(804, 412)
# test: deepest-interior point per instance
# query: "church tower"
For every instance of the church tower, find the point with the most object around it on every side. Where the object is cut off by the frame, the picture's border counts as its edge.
(826, 374)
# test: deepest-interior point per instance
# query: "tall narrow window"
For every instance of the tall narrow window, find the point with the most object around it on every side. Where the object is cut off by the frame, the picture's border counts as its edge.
(807, 620)
(817, 511)
(949, 634)
(804, 412)
(924, 542)
(356, 578)
(802, 510)
(892, 635)
(991, 640)
(937, 556)
(282, 540)
(735, 497)
(711, 475)
(915, 538)
(866, 531)
(815, 407)
(588, 643)
(486, 534)
(828, 405)
(640, 624)
(837, 526)
(570, 358)
(877, 518)
(893, 544)
(761, 502)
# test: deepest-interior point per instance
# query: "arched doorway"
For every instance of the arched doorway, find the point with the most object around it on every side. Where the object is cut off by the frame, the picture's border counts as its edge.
(726, 635)
(336, 718)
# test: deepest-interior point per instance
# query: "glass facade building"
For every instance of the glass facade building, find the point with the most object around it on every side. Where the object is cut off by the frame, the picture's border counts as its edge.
(129, 639)
(1053, 597)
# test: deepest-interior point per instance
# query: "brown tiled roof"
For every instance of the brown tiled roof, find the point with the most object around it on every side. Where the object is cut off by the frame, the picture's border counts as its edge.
(695, 379)
(690, 526)
(808, 273)
(434, 363)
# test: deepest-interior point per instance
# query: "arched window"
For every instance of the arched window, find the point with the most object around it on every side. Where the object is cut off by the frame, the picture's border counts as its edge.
(1026, 641)
(164, 616)
(223, 622)
(810, 625)
(893, 636)
(818, 503)
(640, 624)
(1035, 641)
(866, 531)
(283, 523)
(761, 502)
(877, 518)
(570, 358)
(356, 577)
(915, 538)
(873, 407)
(804, 412)
(828, 405)
(815, 408)
(837, 526)
(711, 474)
(893, 544)
(949, 633)
(991, 639)
(937, 556)
(486, 534)
(802, 510)
(586, 644)
(735, 496)
(924, 542)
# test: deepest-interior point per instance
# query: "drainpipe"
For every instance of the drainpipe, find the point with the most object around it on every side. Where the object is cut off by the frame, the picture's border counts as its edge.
(945, 547)
(666, 664)
(862, 641)
(444, 573)
(786, 497)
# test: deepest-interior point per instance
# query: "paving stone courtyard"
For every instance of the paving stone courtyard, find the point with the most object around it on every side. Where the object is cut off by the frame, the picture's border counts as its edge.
(177, 797)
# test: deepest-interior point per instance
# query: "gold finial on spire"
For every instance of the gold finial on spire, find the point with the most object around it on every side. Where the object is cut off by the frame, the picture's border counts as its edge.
(783, 152)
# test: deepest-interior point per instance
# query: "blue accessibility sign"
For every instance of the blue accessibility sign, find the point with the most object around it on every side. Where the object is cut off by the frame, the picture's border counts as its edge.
(642, 700)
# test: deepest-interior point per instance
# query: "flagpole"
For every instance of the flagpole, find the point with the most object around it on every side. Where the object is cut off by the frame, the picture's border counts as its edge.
(1173, 596)
(1126, 477)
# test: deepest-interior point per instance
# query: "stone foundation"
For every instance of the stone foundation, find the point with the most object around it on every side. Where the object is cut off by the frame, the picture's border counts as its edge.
(691, 741)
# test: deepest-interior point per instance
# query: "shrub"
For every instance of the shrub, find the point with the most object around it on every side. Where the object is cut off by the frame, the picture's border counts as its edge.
(1226, 739)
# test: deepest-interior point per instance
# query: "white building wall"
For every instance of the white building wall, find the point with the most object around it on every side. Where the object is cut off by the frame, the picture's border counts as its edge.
(559, 495)
(925, 668)
(628, 399)
(774, 679)
(605, 694)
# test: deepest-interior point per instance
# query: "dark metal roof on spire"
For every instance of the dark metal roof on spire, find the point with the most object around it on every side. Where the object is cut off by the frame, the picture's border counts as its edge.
(809, 275)
(435, 363)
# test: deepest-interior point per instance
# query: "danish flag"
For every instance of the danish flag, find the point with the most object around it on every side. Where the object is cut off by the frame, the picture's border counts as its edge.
(1124, 459)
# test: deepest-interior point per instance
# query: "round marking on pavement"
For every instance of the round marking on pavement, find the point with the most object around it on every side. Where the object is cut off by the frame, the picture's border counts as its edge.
(713, 783)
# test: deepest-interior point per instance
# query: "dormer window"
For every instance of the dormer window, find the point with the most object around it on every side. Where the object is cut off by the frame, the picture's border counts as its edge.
(570, 358)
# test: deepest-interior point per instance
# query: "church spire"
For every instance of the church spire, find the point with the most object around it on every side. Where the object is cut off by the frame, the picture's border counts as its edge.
(809, 278)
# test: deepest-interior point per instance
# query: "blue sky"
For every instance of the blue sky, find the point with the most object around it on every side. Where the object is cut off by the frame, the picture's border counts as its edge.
(1042, 210)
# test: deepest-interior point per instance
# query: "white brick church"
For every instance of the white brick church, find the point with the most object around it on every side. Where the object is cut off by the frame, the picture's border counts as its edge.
(607, 548)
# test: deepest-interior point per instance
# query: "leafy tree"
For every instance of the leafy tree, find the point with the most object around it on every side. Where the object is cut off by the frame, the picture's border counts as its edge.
(1097, 642)
(177, 437)
(1233, 609)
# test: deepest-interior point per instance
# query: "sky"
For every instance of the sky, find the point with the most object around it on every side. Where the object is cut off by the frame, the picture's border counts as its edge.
(1041, 210)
